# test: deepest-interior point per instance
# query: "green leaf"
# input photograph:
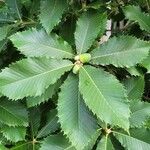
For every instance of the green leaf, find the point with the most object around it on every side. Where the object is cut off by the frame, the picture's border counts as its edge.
(34, 8)
(131, 142)
(56, 142)
(105, 144)
(146, 63)
(3, 44)
(33, 43)
(6, 18)
(119, 51)
(134, 71)
(141, 134)
(3, 140)
(14, 8)
(13, 134)
(51, 13)
(89, 26)
(13, 113)
(147, 124)
(104, 95)
(2, 147)
(51, 126)
(26, 145)
(50, 91)
(134, 13)
(140, 113)
(34, 120)
(134, 87)
(76, 120)
(24, 76)
(92, 143)
(3, 32)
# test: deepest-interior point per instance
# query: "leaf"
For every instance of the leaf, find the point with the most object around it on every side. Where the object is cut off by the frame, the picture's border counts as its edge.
(33, 43)
(105, 144)
(134, 13)
(51, 13)
(146, 63)
(95, 5)
(3, 44)
(50, 91)
(140, 113)
(14, 134)
(93, 141)
(1, 95)
(13, 113)
(147, 124)
(6, 18)
(3, 140)
(141, 134)
(34, 8)
(14, 8)
(134, 87)
(3, 32)
(130, 142)
(55, 142)
(76, 120)
(105, 96)
(51, 126)
(119, 51)
(26, 145)
(5, 14)
(89, 26)
(24, 76)
(134, 71)
(34, 120)
(2, 147)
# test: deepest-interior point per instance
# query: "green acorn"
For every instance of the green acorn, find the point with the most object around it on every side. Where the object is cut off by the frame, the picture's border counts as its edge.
(84, 58)
(76, 67)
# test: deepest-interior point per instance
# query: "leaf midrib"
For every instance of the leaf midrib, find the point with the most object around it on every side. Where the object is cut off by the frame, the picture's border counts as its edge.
(100, 93)
(30, 142)
(135, 85)
(117, 53)
(45, 127)
(18, 12)
(37, 75)
(52, 12)
(129, 137)
(50, 47)
(82, 43)
(11, 113)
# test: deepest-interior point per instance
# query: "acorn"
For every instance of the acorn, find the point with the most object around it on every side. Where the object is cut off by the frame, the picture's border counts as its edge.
(76, 69)
(84, 58)
(77, 66)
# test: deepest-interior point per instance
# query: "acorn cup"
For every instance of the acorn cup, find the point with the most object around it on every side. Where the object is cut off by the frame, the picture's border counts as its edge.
(77, 58)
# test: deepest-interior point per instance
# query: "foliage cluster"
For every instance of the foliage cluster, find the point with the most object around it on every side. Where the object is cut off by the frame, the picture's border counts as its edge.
(62, 87)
